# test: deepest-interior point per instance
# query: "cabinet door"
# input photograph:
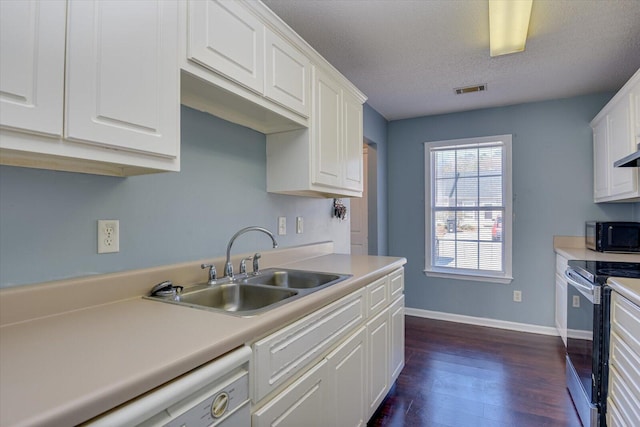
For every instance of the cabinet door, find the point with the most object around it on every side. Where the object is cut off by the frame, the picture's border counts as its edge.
(287, 74)
(303, 403)
(122, 75)
(621, 180)
(601, 160)
(378, 360)
(32, 42)
(353, 140)
(346, 381)
(226, 38)
(396, 329)
(561, 307)
(327, 135)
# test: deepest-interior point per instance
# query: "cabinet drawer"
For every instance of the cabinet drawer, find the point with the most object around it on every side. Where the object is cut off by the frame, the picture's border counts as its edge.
(396, 282)
(625, 321)
(303, 403)
(378, 295)
(282, 355)
(625, 399)
(625, 362)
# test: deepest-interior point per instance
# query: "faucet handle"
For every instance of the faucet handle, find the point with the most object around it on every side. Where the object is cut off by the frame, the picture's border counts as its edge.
(256, 263)
(243, 264)
(212, 271)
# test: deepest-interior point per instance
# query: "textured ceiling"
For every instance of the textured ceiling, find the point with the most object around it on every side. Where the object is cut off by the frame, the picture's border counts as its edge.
(408, 56)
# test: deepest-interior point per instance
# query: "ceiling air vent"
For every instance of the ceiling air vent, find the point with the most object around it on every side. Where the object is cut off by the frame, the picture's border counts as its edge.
(470, 89)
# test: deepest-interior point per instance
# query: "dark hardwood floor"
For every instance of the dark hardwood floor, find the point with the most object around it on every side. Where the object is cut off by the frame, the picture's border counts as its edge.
(460, 375)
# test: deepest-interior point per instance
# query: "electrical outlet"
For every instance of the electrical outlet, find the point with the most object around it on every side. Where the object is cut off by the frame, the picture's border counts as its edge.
(282, 225)
(299, 225)
(576, 301)
(108, 236)
(517, 296)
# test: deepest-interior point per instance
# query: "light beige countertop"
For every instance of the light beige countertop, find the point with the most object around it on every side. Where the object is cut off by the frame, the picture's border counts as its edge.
(573, 248)
(629, 288)
(67, 364)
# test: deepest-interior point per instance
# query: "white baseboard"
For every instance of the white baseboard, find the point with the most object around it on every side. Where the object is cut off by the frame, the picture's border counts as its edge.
(481, 321)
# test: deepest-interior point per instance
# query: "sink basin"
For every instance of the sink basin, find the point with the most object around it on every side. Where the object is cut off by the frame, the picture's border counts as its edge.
(235, 298)
(251, 295)
(295, 279)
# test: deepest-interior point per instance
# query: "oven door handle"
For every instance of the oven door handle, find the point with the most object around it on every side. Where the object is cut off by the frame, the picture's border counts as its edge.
(590, 292)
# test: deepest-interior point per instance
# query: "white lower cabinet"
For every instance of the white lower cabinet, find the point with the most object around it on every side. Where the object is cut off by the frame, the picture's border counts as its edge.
(561, 298)
(347, 382)
(623, 401)
(396, 329)
(335, 366)
(378, 360)
(280, 356)
(303, 403)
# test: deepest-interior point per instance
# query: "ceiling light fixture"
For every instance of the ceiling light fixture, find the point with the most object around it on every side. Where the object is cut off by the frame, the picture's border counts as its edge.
(508, 25)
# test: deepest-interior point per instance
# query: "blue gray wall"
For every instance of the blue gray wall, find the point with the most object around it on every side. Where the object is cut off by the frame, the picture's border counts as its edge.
(375, 135)
(552, 188)
(48, 218)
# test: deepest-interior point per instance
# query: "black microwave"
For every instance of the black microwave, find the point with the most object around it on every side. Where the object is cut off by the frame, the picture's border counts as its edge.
(613, 236)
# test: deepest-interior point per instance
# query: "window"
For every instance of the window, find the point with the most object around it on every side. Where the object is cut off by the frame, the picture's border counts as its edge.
(468, 208)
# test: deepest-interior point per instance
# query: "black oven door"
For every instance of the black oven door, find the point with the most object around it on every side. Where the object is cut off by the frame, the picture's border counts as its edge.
(584, 338)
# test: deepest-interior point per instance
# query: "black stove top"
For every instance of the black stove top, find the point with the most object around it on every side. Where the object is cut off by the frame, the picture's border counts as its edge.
(599, 271)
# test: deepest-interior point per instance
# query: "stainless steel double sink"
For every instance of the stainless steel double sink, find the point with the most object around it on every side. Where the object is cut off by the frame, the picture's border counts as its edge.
(254, 294)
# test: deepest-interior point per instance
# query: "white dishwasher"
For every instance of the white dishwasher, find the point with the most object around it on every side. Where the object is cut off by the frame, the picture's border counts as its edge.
(214, 394)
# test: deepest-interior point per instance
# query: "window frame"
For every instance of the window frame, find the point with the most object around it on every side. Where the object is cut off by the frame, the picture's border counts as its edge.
(430, 270)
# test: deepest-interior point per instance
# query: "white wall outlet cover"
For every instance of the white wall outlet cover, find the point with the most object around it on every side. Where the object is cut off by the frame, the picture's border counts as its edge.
(108, 236)
(282, 225)
(517, 296)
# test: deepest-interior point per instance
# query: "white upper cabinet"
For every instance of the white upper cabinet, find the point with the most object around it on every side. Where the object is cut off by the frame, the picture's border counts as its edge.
(622, 181)
(240, 62)
(353, 141)
(327, 133)
(287, 74)
(326, 159)
(122, 75)
(601, 157)
(116, 110)
(32, 42)
(226, 38)
(614, 137)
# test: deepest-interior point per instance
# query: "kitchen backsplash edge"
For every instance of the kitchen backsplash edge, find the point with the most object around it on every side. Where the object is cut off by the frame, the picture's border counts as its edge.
(24, 303)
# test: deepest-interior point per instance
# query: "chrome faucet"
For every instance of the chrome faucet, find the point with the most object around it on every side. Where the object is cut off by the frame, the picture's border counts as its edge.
(228, 267)
(256, 264)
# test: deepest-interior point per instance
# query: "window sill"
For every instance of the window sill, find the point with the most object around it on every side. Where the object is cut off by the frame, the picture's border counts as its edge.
(505, 280)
